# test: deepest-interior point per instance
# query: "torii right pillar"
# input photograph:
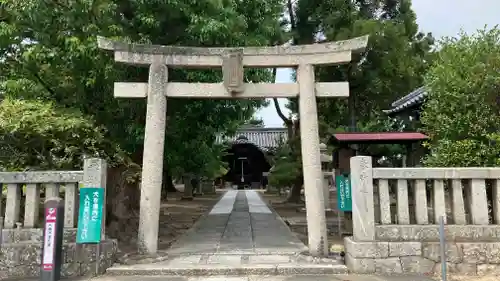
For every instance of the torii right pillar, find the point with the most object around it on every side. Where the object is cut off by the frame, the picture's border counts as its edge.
(311, 162)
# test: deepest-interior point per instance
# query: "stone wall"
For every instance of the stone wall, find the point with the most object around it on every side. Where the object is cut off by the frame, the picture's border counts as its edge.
(404, 238)
(20, 254)
(22, 234)
(470, 250)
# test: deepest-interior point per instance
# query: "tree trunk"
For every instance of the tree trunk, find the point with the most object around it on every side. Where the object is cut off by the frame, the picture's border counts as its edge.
(295, 195)
(167, 185)
(122, 204)
(170, 184)
(195, 185)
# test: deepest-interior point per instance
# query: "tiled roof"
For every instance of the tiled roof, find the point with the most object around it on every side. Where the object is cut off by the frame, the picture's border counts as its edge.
(377, 137)
(416, 97)
(262, 137)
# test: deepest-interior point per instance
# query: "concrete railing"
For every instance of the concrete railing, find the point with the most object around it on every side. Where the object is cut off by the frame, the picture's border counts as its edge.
(396, 213)
(27, 191)
(456, 193)
(23, 221)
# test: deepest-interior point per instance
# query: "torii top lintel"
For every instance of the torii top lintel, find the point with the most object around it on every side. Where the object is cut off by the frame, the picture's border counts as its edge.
(277, 56)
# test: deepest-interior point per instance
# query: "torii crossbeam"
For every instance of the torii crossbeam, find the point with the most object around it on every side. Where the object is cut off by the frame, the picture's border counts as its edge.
(232, 61)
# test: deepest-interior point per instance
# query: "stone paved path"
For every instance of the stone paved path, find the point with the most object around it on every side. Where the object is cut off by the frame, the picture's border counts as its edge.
(240, 236)
(240, 223)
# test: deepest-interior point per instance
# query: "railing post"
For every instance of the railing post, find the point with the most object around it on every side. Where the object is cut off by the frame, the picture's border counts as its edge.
(363, 209)
(95, 175)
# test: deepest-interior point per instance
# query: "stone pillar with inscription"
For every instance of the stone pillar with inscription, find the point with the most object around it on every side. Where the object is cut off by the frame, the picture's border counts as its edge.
(363, 210)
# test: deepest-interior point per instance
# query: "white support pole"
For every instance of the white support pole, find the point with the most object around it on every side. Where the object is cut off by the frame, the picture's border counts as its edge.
(311, 162)
(152, 163)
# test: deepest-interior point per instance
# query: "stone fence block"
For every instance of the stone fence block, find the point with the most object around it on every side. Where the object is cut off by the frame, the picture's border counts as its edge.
(366, 249)
(465, 258)
(23, 259)
(432, 251)
(34, 235)
(430, 233)
(403, 249)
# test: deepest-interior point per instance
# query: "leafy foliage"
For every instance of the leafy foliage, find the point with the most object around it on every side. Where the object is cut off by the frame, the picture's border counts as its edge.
(48, 53)
(393, 64)
(287, 166)
(462, 114)
(40, 135)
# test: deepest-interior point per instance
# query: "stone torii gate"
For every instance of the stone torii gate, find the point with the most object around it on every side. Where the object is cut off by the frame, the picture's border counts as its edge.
(232, 61)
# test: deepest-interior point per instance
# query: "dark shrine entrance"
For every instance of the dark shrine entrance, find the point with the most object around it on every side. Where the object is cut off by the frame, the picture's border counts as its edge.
(246, 163)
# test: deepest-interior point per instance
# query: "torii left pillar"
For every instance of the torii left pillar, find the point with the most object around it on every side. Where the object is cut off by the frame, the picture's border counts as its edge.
(152, 162)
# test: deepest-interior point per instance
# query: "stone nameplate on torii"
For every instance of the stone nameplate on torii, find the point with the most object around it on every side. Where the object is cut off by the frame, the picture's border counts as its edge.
(233, 72)
(232, 61)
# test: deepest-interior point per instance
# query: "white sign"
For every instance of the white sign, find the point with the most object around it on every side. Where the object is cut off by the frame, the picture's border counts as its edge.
(48, 250)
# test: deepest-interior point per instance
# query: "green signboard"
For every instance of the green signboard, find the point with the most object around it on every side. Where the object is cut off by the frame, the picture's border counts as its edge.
(90, 215)
(344, 198)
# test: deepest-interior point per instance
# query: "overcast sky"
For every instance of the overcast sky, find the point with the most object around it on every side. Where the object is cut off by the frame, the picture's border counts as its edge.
(441, 17)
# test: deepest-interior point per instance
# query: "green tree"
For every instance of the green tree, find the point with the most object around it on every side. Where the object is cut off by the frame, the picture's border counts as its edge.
(393, 64)
(257, 122)
(38, 135)
(462, 112)
(48, 53)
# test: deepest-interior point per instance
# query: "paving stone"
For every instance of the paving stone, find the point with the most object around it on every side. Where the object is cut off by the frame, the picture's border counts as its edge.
(219, 278)
(225, 259)
(248, 241)
(269, 259)
(185, 260)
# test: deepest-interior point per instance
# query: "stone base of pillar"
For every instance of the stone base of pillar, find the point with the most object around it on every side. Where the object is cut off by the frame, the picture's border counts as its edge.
(198, 191)
(255, 185)
(207, 187)
(271, 190)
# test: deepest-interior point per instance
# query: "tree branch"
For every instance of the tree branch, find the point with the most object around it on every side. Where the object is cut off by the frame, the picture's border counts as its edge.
(289, 5)
(280, 113)
(40, 80)
(277, 105)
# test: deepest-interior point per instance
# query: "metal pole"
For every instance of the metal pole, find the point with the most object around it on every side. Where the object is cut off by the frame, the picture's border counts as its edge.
(97, 258)
(1, 232)
(442, 244)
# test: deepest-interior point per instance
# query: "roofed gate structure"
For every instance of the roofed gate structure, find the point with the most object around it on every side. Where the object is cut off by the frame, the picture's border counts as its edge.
(247, 152)
(232, 61)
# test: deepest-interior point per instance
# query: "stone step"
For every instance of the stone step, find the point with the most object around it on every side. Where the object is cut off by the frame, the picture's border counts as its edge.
(336, 277)
(234, 265)
(226, 270)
